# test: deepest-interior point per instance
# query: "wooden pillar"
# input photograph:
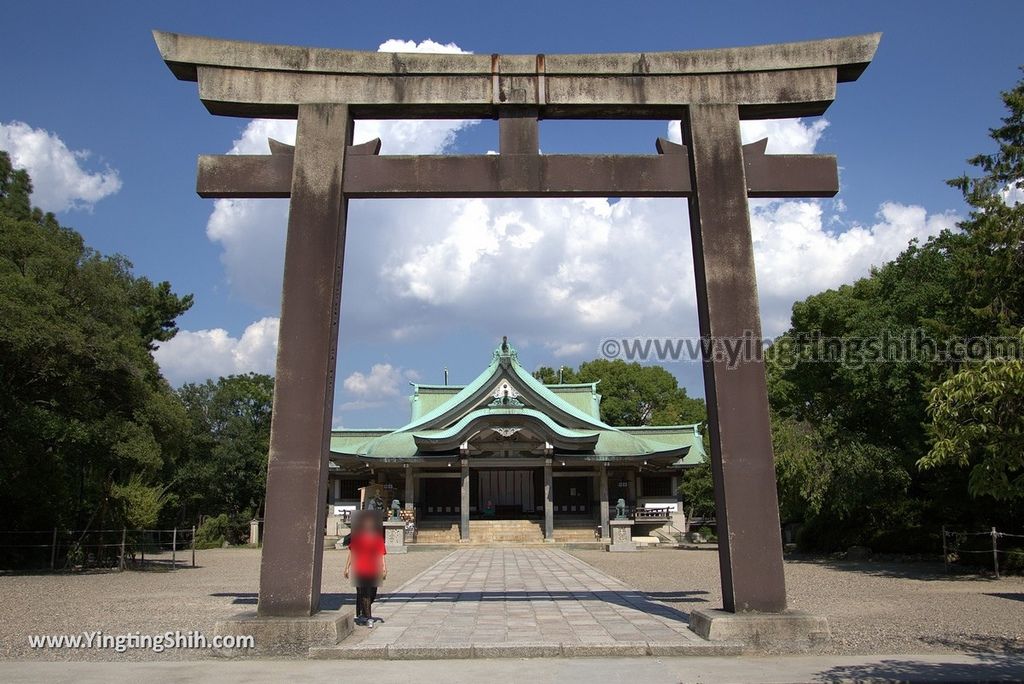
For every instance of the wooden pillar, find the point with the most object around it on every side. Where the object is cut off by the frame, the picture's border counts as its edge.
(549, 504)
(298, 464)
(464, 505)
(746, 501)
(603, 485)
(410, 489)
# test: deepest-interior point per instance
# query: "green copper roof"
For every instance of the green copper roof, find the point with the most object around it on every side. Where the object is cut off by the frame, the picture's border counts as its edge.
(506, 396)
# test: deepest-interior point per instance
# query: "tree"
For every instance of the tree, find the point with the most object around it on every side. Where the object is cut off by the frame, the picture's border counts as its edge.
(977, 415)
(223, 469)
(901, 428)
(978, 422)
(632, 394)
(846, 490)
(88, 422)
(993, 265)
(697, 485)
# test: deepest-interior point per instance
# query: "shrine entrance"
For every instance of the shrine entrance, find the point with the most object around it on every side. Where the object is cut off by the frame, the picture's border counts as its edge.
(503, 493)
(708, 91)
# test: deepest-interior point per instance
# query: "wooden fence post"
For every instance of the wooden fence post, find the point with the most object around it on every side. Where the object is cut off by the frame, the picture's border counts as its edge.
(53, 550)
(174, 549)
(945, 552)
(995, 551)
(193, 546)
(124, 534)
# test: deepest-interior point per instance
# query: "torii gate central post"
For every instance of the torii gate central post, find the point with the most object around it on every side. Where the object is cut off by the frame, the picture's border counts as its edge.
(710, 91)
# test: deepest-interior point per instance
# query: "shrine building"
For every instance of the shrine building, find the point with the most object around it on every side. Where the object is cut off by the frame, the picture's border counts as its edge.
(507, 447)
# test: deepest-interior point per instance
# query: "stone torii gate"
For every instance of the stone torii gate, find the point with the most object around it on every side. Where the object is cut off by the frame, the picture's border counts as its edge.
(710, 91)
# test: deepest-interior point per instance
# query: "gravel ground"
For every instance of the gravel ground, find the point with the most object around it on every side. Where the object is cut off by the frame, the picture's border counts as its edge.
(872, 607)
(224, 583)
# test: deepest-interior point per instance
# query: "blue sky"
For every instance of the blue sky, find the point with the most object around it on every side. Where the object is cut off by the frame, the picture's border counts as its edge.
(112, 139)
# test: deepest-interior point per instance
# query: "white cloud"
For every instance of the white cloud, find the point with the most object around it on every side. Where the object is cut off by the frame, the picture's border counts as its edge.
(195, 355)
(398, 45)
(382, 381)
(796, 255)
(785, 136)
(1013, 193)
(59, 180)
(382, 384)
(567, 348)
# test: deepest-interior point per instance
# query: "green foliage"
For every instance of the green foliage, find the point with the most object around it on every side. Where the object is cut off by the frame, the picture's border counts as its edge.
(698, 489)
(995, 229)
(224, 463)
(87, 419)
(213, 532)
(978, 422)
(217, 529)
(978, 414)
(633, 394)
(1014, 563)
(850, 434)
(139, 504)
(842, 485)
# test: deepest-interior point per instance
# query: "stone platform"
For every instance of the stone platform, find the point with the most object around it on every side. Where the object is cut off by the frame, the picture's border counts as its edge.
(520, 602)
(285, 636)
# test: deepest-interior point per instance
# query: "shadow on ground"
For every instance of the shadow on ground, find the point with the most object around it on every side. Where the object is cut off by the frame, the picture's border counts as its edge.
(251, 598)
(989, 668)
(1010, 596)
(920, 570)
(652, 603)
(979, 644)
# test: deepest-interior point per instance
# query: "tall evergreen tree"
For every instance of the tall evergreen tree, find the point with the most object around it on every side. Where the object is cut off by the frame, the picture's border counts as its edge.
(88, 424)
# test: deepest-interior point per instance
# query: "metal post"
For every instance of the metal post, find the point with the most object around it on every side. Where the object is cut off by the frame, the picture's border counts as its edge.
(174, 549)
(142, 546)
(995, 552)
(746, 500)
(124, 534)
(193, 546)
(53, 550)
(295, 517)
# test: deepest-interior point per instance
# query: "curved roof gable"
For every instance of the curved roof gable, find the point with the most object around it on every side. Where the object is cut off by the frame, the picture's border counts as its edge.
(505, 367)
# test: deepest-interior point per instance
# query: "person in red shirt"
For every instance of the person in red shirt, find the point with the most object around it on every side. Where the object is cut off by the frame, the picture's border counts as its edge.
(365, 564)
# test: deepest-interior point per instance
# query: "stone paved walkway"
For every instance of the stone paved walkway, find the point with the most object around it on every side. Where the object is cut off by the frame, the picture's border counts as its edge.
(520, 602)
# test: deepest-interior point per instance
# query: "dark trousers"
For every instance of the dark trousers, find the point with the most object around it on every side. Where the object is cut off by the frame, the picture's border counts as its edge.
(365, 596)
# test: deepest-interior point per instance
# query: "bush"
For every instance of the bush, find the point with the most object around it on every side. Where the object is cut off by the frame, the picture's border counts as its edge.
(707, 533)
(213, 532)
(1014, 563)
(907, 540)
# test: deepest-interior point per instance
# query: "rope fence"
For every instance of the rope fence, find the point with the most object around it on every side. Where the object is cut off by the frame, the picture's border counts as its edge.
(120, 549)
(958, 543)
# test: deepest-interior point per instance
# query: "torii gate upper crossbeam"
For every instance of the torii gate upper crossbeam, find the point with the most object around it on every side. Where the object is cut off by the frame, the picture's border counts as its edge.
(765, 81)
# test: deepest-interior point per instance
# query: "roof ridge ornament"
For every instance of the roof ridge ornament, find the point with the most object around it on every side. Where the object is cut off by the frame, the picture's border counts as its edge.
(506, 354)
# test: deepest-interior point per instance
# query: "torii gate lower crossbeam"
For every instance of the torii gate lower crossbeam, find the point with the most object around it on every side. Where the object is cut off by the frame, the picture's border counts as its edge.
(326, 90)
